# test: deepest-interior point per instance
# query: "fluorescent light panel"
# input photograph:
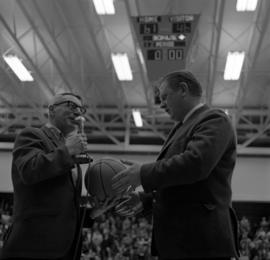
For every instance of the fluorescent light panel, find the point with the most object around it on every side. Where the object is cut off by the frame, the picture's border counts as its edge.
(137, 117)
(234, 65)
(104, 6)
(246, 5)
(121, 66)
(18, 68)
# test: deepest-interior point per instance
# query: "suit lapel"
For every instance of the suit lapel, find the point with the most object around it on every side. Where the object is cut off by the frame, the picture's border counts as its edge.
(52, 135)
(55, 139)
(179, 128)
(169, 139)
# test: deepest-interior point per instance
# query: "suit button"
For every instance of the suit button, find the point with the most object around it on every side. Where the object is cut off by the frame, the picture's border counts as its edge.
(210, 206)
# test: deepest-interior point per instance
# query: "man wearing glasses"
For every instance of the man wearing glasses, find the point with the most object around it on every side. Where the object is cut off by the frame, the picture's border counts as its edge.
(47, 185)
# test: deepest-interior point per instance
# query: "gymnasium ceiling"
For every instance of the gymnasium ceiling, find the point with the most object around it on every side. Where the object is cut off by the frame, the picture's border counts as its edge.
(67, 46)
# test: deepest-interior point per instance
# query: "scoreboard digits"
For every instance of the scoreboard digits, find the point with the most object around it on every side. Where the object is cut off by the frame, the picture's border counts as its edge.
(181, 27)
(164, 37)
(154, 54)
(171, 54)
(148, 28)
(175, 54)
(164, 41)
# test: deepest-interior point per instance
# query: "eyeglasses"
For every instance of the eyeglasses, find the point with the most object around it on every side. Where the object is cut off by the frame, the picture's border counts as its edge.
(74, 107)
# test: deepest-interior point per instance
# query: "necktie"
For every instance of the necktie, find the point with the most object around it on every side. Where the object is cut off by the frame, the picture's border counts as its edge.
(74, 175)
(169, 138)
(61, 139)
(173, 130)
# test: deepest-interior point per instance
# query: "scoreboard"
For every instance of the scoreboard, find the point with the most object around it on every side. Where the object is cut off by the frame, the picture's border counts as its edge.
(164, 41)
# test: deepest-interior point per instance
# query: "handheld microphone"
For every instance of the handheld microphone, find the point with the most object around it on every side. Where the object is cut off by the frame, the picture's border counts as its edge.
(83, 157)
(81, 121)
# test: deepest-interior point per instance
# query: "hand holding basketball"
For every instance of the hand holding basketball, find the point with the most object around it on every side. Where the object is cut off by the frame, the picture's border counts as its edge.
(98, 178)
(127, 177)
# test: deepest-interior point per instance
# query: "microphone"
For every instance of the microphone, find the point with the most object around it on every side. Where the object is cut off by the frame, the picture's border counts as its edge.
(83, 157)
(81, 121)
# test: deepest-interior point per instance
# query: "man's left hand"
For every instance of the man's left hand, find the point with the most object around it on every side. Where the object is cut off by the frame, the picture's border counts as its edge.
(99, 208)
(127, 178)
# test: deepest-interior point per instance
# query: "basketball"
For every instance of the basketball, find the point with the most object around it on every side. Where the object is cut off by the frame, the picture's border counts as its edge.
(98, 177)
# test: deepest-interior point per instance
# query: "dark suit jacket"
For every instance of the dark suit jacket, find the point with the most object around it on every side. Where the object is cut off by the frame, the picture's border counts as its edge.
(46, 201)
(191, 185)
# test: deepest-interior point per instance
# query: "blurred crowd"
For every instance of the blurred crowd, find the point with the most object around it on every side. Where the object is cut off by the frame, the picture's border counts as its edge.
(114, 237)
(255, 239)
(5, 220)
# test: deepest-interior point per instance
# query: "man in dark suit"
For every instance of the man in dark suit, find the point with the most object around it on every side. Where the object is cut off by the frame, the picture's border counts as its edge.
(190, 183)
(47, 185)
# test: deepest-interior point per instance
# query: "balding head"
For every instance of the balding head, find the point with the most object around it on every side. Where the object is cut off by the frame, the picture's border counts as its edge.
(175, 78)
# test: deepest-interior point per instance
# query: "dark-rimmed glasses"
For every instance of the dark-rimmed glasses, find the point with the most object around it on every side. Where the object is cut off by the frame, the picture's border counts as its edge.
(74, 107)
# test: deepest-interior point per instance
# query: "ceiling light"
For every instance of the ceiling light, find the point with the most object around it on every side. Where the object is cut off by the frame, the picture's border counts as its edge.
(137, 117)
(122, 67)
(18, 68)
(234, 65)
(246, 5)
(104, 6)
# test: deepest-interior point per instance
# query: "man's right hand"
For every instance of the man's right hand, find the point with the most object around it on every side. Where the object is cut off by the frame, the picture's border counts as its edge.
(76, 144)
(130, 205)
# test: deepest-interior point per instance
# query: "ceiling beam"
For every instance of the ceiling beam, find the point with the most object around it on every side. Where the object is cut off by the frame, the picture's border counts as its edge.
(33, 66)
(256, 38)
(109, 126)
(214, 49)
(103, 130)
(79, 53)
(255, 136)
(17, 92)
(50, 33)
(117, 87)
(43, 42)
(78, 77)
(146, 149)
(148, 91)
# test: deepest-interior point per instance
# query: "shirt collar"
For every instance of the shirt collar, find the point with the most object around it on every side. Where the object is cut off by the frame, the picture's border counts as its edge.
(192, 111)
(50, 125)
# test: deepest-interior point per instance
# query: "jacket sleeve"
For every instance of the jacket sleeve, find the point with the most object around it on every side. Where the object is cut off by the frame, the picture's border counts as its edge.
(207, 143)
(35, 162)
(147, 201)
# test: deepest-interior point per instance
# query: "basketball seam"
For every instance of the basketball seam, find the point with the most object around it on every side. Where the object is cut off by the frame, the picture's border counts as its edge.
(101, 180)
(111, 167)
(115, 172)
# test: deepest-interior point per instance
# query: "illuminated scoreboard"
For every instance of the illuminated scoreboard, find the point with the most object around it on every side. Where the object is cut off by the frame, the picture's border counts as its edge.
(164, 41)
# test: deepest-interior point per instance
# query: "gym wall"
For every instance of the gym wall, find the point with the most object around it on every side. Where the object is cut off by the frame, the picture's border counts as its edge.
(250, 181)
